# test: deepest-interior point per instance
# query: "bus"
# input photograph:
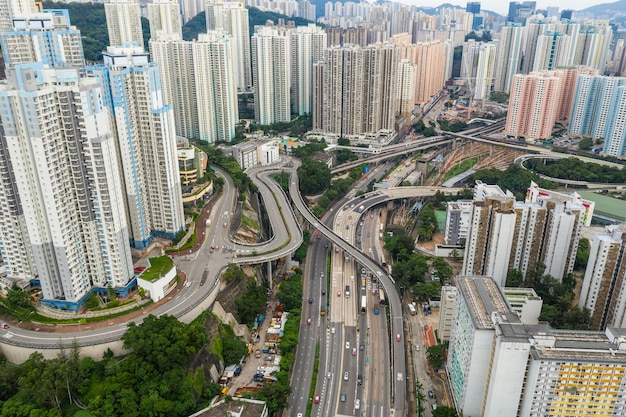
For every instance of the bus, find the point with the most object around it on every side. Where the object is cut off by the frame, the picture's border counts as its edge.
(363, 304)
(381, 294)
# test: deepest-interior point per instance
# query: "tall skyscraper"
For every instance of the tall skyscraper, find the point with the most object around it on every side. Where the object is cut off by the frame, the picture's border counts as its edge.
(62, 210)
(533, 105)
(405, 97)
(358, 90)
(12, 8)
(271, 60)
(306, 10)
(123, 22)
(164, 17)
(604, 291)
(144, 126)
(175, 59)
(43, 37)
(592, 112)
(504, 234)
(520, 11)
(569, 79)
(552, 51)
(508, 56)
(233, 18)
(500, 365)
(215, 86)
(477, 68)
(593, 45)
(615, 131)
(307, 47)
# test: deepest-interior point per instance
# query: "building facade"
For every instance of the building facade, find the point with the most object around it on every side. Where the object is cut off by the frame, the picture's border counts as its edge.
(307, 45)
(123, 22)
(144, 128)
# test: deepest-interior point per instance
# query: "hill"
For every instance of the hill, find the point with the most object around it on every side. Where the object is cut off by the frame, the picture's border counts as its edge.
(610, 9)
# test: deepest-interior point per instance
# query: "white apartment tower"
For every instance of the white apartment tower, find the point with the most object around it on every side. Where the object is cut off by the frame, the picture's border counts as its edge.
(508, 56)
(164, 17)
(45, 37)
(13, 8)
(233, 18)
(604, 290)
(123, 22)
(307, 48)
(405, 96)
(175, 59)
(500, 365)
(215, 87)
(271, 61)
(147, 143)
(62, 212)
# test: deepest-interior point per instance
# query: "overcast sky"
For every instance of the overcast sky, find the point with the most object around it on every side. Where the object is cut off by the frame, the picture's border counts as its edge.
(502, 6)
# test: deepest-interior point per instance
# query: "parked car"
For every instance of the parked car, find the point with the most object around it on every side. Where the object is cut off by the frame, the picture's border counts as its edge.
(431, 394)
(4, 326)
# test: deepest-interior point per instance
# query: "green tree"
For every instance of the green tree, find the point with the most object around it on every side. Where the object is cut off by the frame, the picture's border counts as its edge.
(343, 141)
(290, 292)
(515, 278)
(455, 255)
(442, 269)
(234, 273)
(251, 303)
(445, 411)
(582, 254)
(19, 298)
(499, 97)
(425, 291)
(314, 177)
(164, 342)
(585, 144)
(437, 355)
(234, 350)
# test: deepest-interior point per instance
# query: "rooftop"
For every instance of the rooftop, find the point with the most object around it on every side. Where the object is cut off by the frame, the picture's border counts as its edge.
(606, 206)
(159, 266)
(483, 297)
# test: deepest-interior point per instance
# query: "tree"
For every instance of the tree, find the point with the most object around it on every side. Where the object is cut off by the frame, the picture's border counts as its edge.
(437, 355)
(163, 341)
(425, 291)
(314, 177)
(515, 278)
(343, 141)
(233, 350)
(290, 292)
(445, 411)
(582, 254)
(585, 144)
(499, 97)
(442, 269)
(455, 255)
(233, 273)
(251, 303)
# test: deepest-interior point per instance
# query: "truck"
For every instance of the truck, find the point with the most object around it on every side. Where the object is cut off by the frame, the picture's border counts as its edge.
(376, 309)
(207, 223)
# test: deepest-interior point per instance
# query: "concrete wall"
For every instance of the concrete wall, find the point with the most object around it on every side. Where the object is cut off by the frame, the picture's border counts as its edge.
(19, 354)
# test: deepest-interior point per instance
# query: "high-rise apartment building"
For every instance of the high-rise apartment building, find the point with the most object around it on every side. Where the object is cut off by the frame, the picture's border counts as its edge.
(271, 61)
(569, 79)
(215, 86)
(508, 56)
(552, 51)
(447, 308)
(603, 291)
(504, 234)
(477, 67)
(232, 17)
(13, 8)
(62, 210)
(405, 97)
(430, 64)
(593, 45)
(458, 215)
(123, 22)
(44, 37)
(357, 91)
(164, 17)
(307, 45)
(533, 105)
(615, 133)
(306, 10)
(520, 11)
(500, 365)
(144, 128)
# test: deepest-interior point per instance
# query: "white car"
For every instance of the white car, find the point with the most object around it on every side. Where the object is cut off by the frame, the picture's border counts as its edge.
(347, 345)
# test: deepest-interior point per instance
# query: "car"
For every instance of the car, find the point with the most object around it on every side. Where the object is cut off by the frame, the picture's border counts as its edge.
(323, 292)
(338, 293)
(362, 347)
(316, 399)
(357, 404)
(308, 321)
(326, 246)
(310, 300)
(398, 337)
(431, 394)
(225, 225)
(359, 379)
(343, 397)
(329, 375)
(346, 376)
(347, 345)
(299, 415)
(370, 250)
(4, 326)
(353, 351)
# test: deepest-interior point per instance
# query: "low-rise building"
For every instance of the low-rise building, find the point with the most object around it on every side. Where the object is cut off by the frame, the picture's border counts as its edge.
(257, 153)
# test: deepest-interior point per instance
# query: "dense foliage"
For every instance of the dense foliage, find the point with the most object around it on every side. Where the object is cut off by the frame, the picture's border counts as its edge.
(515, 179)
(445, 411)
(437, 355)
(290, 292)
(295, 128)
(409, 268)
(153, 380)
(251, 303)
(309, 149)
(338, 188)
(90, 19)
(499, 97)
(426, 223)
(314, 177)
(455, 127)
(421, 129)
(575, 169)
(300, 254)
